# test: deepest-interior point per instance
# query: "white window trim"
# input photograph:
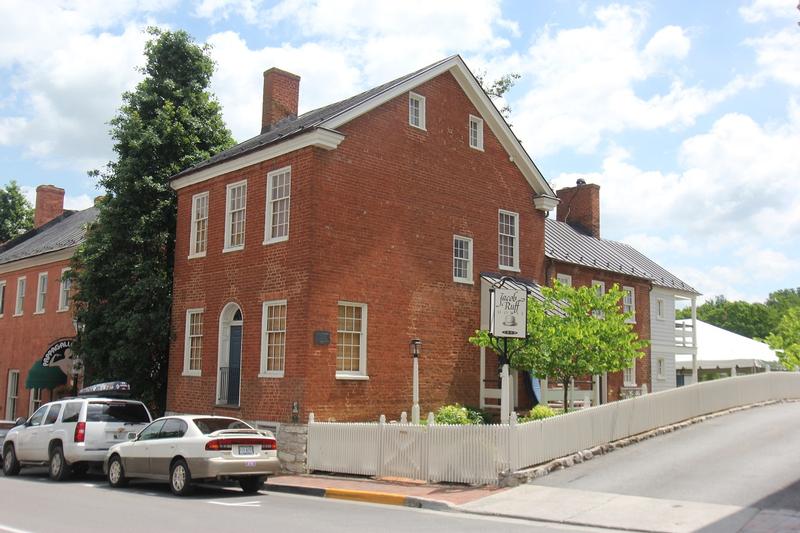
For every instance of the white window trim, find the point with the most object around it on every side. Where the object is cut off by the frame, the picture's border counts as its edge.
(19, 305)
(564, 279)
(228, 247)
(40, 309)
(2, 297)
(193, 229)
(626, 383)
(479, 122)
(263, 364)
(661, 366)
(661, 311)
(469, 279)
(514, 268)
(10, 415)
(63, 303)
(601, 284)
(362, 373)
(31, 398)
(268, 217)
(632, 319)
(187, 343)
(421, 99)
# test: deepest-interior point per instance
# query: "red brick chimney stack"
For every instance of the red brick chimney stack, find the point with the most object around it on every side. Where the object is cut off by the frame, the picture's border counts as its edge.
(281, 95)
(49, 204)
(580, 207)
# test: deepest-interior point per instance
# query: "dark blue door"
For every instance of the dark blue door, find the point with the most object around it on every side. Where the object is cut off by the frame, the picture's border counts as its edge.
(234, 365)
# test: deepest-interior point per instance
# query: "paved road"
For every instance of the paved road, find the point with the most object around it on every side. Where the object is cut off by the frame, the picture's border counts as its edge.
(32, 503)
(730, 473)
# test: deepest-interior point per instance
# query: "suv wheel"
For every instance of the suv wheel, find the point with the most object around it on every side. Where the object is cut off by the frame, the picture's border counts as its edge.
(10, 463)
(59, 469)
(180, 480)
(252, 484)
(116, 473)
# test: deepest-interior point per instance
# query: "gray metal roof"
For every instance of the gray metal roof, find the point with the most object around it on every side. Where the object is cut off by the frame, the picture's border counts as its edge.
(305, 122)
(660, 275)
(63, 232)
(563, 243)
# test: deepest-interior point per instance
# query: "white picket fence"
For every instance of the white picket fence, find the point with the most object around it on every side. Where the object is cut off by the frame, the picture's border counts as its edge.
(478, 454)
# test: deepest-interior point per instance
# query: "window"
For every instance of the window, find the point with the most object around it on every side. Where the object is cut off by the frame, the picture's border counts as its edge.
(151, 432)
(193, 346)
(660, 368)
(564, 279)
(508, 241)
(174, 428)
(236, 199)
(279, 185)
(351, 341)
(600, 287)
(475, 132)
(52, 414)
(12, 393)
(41, 293)
(660, 308)
(20, 303)
(35, 400)
(629, 375)
(462, 259)
(273, 339)
(64, 290)
(72, 411)
(37, 417)
(199, 230)
(2, 297)
(416, 110)
(119, 411)
(629, 303)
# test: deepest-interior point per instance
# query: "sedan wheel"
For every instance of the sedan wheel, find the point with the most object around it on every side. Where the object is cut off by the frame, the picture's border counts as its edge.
(180, 480)
(10, 463)
(116, 474)
(59, 470)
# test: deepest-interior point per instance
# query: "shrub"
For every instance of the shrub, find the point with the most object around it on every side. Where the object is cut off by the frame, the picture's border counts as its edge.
(459, 415)
(538, 413)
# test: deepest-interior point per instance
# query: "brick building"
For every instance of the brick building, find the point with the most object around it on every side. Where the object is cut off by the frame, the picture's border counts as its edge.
(35, 302)
(309, 256)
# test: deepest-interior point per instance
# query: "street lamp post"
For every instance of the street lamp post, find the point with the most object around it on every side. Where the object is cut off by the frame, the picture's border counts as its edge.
(77, 364)
(416, 347)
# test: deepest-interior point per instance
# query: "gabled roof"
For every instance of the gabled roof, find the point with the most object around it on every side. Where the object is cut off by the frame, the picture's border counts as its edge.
(332, 116)
(660, 275)
(62, 232)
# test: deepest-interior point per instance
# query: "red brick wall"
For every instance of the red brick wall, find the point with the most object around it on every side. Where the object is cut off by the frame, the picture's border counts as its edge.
(371, 222)
(24, 339)
(582, 277)
(580, 208)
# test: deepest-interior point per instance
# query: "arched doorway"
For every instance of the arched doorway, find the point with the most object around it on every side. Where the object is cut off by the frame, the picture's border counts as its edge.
(229, 361)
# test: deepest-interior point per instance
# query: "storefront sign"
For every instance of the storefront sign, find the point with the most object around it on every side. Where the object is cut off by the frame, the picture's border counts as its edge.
(58, 351)
(509, 313)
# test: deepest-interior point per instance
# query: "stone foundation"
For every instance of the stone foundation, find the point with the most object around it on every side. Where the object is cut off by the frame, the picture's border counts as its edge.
(292, 446)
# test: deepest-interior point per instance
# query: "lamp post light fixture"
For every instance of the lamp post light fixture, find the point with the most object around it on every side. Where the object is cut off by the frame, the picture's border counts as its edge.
(416, 347)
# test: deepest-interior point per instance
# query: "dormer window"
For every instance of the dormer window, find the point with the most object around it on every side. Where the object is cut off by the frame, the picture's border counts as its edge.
(416, 110)
(475, 132)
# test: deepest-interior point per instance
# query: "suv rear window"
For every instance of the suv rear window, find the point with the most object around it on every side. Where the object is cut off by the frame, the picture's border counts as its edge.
(125, 412)
(210, 425)
(71, 411)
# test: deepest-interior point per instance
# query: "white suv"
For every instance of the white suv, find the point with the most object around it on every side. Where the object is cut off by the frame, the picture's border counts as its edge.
(70, 434)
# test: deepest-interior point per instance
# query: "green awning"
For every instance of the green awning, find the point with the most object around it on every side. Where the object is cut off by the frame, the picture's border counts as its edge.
(44, 377)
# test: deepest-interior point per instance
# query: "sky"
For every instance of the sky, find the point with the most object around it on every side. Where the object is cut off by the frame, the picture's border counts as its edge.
(687, 114)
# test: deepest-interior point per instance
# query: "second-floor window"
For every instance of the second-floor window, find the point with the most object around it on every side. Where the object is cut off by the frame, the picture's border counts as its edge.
(416, 110)
(236, 200)
(41, 292)
(475, 132)
(2, 297)
(660, 314)
(64, 290)
(199, 230)
(20, 303)
(279, 188)
(508, 240)
(273, 341)
(462, 259)
(629, 303)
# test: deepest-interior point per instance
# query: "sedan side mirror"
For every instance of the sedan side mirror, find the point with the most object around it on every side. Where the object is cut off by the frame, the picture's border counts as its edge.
(20, 421)
(131, 435)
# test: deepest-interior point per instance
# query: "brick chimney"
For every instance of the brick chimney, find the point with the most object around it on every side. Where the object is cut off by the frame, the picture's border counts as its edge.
(281, 94)
(49, 204)
(580, 207)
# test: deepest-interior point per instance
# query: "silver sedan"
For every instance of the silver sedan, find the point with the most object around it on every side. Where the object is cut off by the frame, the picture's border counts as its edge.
(185, 449)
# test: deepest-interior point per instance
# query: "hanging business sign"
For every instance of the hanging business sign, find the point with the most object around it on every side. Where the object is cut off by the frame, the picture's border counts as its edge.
(509, 312)
(61, 350)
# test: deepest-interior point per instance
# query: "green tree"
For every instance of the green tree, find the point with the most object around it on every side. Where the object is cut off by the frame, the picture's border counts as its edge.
(574, 332)
(498, 88)
(16, 213)
(753, 320)
(124, 269)
(786, 339)
(779, 302)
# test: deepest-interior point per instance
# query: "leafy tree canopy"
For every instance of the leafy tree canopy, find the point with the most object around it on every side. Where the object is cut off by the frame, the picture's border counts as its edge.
(124, 269)
(574, 332)
(497, 89)
(786, 339)
(16, 212)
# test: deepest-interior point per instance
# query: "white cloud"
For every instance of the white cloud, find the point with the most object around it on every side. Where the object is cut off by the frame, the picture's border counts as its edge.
(222, 9)
(585, 81)
(761, 10)
(778, 55)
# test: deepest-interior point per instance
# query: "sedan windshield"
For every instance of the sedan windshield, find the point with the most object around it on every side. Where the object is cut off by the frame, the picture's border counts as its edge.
(210, 425)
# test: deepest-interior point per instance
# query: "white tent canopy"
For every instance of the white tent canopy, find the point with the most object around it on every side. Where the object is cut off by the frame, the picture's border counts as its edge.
(719, 348)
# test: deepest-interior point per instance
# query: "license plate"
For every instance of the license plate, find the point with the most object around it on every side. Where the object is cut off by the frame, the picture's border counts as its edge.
(245, 450)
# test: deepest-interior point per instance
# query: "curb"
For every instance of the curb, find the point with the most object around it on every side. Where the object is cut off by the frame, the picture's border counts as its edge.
(384, 498)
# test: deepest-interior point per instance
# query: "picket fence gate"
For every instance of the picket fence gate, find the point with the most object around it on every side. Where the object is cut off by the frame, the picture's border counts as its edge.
(480, 454)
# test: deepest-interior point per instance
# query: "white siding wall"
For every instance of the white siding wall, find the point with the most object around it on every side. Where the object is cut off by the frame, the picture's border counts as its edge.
(668, 380)
(662, 334)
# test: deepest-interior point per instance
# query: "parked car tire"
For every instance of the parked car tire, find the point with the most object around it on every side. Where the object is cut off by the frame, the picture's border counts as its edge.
(180, 479)
(59, 469)
(252, 484)
(116, 472)
(10, 464)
